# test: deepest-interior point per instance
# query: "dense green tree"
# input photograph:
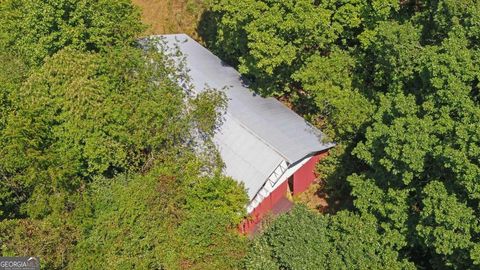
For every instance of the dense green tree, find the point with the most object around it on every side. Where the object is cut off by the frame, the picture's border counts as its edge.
(272, 39)
(101, 149)
(85, 127)
(425, 146)
(106, 159)
(175, 216)
(30, 31)
(334, 93)
(302, 239)
(158, 221)
(34, 29)
(302, 50)
(82, 115)
(397, 85)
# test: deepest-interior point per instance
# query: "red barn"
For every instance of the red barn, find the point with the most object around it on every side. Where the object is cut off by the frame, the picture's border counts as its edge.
(263, 144)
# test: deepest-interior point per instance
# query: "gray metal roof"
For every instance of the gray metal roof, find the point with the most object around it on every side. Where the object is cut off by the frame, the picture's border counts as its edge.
(258, 133)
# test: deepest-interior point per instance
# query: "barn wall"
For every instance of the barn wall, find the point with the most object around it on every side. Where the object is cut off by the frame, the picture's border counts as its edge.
(264, 208)
(275, 202)
(304, 176)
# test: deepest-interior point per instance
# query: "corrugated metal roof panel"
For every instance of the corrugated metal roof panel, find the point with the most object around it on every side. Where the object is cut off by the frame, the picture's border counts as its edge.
(246, 158)
(259, 132)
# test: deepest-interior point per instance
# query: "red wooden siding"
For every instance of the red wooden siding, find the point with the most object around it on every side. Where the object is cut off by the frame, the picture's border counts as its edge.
(304, 176)
(276, 203)
(248, 225)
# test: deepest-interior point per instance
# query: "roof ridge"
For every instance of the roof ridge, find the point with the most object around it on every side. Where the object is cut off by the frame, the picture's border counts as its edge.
(275, 137)
(249, 130)
(258, 136)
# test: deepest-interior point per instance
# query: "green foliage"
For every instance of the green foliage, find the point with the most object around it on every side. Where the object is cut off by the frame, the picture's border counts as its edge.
(157, 221)
(441, 16)
(397, 85)
(343, 107)
(391, 54)
(274, 38)
(427, 143)
(302, 50)
(306, 240)
(446, 225)
(399, 142)
(34, 29)
(105, 159)
(52, 240)
(83, 114)
(207, 104)
(51, 120)
(411, 155)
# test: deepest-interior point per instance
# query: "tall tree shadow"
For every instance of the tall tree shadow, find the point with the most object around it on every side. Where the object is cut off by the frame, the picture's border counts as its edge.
(207, 27)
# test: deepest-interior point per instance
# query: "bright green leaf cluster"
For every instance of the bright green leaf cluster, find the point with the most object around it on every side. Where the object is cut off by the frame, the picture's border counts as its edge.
(105, 159)
(306, 240)
(396, 84)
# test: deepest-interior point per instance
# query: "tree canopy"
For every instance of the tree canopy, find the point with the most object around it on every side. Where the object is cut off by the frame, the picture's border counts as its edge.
(396, 84)
(35, 29)
(105, 155)
(303, 239)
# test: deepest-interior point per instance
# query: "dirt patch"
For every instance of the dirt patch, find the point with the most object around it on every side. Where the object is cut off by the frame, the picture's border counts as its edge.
(314, 197)
(171, 16)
